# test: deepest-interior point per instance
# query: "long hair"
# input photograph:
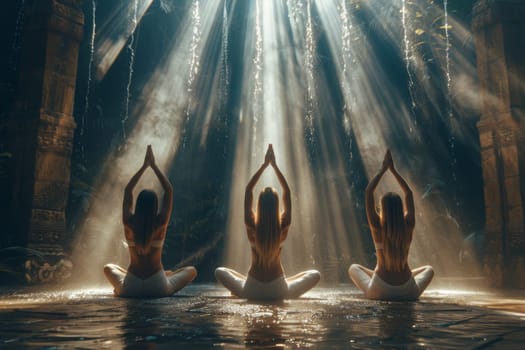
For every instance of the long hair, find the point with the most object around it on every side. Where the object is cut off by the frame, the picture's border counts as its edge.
(144, 216)
(267, 225)
(396, 239)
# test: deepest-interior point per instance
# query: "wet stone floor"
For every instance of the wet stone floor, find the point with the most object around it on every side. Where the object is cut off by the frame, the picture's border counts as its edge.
(205, 316)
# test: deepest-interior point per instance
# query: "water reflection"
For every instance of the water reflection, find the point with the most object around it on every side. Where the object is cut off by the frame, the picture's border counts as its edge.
(186, 319)
(269, 325)
(384, 323)
(264, 329)
(204, 316)
(145, 323)
(397, 322)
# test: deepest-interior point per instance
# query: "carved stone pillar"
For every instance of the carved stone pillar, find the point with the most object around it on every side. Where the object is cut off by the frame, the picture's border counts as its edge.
(42, 125)
(499, 30)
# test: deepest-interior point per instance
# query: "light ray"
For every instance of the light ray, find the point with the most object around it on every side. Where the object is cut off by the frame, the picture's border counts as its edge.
(161, 112)
(266, 118)
(318, 237)
(375, 105)
(114, 34)
(289, 97)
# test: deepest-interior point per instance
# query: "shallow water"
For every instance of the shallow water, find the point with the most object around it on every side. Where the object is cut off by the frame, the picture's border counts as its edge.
(204, 316)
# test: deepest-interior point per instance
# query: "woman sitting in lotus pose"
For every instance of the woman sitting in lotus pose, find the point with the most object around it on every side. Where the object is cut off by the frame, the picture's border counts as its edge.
(392, 230)
(145, 231)
(267, 229)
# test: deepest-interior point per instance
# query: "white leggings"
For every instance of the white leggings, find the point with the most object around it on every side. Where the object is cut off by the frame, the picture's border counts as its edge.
(160, 284)
(278, 289)
(375, 288)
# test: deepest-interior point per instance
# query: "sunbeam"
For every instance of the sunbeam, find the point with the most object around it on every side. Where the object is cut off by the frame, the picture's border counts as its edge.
(116, 31)
(267, 117)
(288, 117)
(161, 112)
(385, 122)
(332, 85)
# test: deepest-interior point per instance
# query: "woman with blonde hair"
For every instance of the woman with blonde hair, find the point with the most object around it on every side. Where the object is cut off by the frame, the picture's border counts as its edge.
(391, 231)
(267, 230)
(145, 231)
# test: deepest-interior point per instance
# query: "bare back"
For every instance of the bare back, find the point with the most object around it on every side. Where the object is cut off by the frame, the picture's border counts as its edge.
(267, 268)
(374, 222)
(145, 261)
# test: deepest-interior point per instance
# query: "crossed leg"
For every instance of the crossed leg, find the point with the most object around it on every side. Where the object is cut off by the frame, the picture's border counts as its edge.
(361, 276)
(231, 279)
(115, 275)
(302, 282)
(180, 277)
(423, 276)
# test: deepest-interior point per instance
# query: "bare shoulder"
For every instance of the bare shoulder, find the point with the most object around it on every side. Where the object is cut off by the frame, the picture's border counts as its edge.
(161, 222)
(250, 227)
(250, 232)
(128, 231)
(376, 232)
(249, 221)
(375, 223)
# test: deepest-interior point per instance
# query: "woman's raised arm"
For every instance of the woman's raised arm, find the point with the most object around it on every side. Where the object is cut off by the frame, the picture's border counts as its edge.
(370, 205)
(249, 216)
(286, 216)
(167, 200)
(127, 203)
(410, 216)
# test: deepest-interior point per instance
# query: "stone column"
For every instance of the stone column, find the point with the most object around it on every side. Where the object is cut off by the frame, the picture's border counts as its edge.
(499, 31)
(42, 126)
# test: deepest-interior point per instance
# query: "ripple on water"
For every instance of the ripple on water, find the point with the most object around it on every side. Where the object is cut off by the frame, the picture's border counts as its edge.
(204, 316)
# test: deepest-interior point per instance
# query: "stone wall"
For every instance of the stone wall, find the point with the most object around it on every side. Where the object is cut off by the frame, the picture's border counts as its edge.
(499, 31)
(42, 125)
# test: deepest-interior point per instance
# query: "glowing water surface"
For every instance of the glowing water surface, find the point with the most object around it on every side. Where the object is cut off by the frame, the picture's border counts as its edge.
(205, 316)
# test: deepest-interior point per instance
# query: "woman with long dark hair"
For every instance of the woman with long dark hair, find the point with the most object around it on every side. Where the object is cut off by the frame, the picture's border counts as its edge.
(392, 229)
(145, 231)
(267, 230)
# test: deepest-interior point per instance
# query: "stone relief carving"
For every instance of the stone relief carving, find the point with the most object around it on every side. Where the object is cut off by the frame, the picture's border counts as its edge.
(42, 271)
(47, 225)
(44, 235)
(68, 8)
(59, 140)
(51, 195)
